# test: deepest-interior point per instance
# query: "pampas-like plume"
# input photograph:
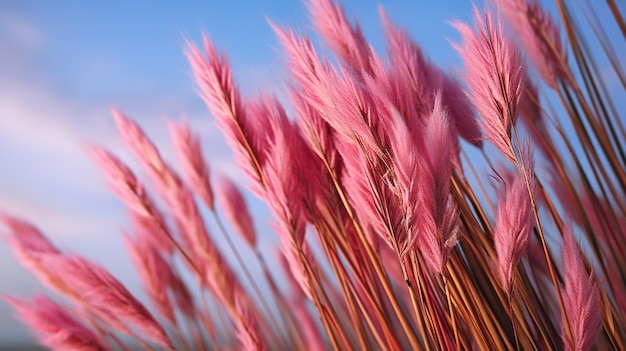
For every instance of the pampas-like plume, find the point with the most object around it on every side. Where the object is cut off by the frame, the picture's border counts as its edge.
(146, 152)
(104, 294)
(214, 77)
(234, 208)
(57, 328)
(199, 251)
(460, 110)
(514, 223)
(330, 90)
(346, 41)
(540, 37)
(28, 244)
(248, 331)
(194, 166)
(154, 272)
(316, 131)
(137, 141)
(407, 189)
(122, 180)
(127, 187)
(581, 299)
(408, 60)
(27, 236)
(424, 80)
(495, 73)
(438, 214)
(285, 176)
(168, 183)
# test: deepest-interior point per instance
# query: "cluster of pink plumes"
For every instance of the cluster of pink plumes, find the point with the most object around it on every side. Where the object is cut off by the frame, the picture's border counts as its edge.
(390, 238)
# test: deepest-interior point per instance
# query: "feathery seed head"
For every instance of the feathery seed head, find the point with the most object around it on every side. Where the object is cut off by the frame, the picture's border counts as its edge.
(495, 73)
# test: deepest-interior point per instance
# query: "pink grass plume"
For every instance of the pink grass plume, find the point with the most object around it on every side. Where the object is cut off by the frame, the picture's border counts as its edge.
(27, 235)
(124, 183)
(329, 90)
(199, 251)
(286, 183)
(315, 130)
(439, 217)
(310, 331)
(56, 327)
(460, 110)
(496, 77)
(30, 246)
(213, 75)
(27, 242)
(235, 209)
(514, 223)
(412, 66)
(138, 142)
(580, 299)
(406, 159)
(104, 294)
(177, 196)
(194, 167)
(148, 156)
(347, 41)
(122, 180)
(247, 331)
(540, 37)
(155, 273)
(424, 80)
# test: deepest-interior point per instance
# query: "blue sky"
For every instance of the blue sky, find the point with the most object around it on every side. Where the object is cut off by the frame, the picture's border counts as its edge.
(63, 64)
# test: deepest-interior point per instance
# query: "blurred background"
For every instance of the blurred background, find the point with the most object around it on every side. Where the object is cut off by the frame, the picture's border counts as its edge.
(64, 64)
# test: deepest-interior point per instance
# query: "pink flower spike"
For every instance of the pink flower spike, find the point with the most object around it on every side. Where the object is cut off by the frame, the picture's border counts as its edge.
(496, 77)
(346, 41)
(104, 294)
(27, 236)
(294, 267)
(29, 245)
(439, 216)
(460, 110)
(424, 80)
(412, 66)
(329, 90)
(304, 63)
(311, 334)
(514, 223)
(286, 173)
(127, 187)
(234, 208)
(57, 329)
(580, 299)
(212, 73)
(122, 180)
(155, 273)
(540, 37)
(194, 166)
(141, 146)
(407, 165)
(248, 330)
